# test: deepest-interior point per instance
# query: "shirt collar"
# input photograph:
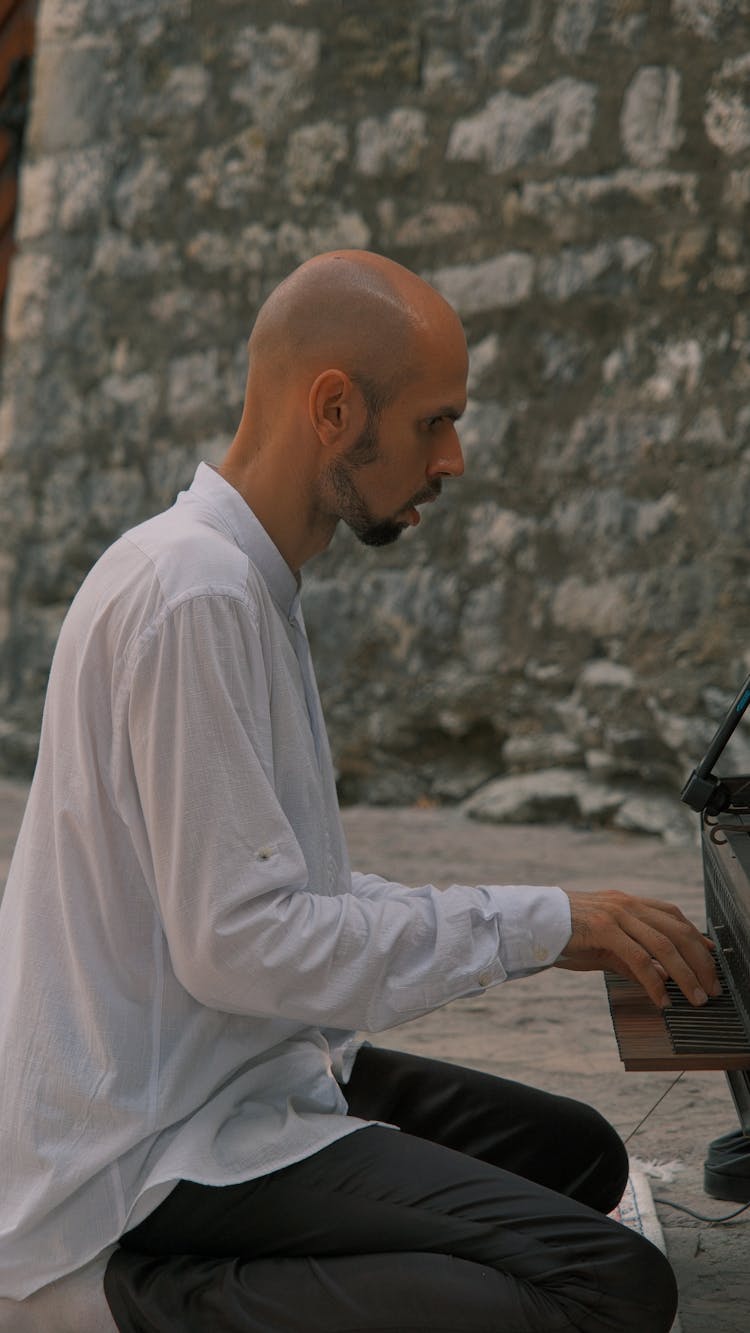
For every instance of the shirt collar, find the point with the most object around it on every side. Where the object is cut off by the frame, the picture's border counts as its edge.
(238, 519)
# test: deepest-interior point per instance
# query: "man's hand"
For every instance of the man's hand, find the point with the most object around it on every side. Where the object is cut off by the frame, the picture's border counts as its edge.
(641, 938)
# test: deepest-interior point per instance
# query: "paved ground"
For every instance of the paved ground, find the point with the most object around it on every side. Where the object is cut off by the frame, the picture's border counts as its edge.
(553, 1030)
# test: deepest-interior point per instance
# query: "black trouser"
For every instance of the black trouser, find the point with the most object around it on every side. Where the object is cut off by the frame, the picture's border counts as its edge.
(484, 1215)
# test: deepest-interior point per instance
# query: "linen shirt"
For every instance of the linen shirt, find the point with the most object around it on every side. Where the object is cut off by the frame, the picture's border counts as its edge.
(185, 954)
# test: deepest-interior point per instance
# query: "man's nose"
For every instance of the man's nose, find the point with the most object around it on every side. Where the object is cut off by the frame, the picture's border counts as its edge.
(448, 459)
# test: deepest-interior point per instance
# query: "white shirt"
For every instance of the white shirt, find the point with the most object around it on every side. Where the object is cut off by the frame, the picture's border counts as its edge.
(185, 954)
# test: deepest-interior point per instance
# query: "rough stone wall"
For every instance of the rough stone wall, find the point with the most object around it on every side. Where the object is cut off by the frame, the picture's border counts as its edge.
(575, 177)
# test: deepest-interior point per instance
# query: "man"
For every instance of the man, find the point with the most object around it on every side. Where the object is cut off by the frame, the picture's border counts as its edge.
(185, 954)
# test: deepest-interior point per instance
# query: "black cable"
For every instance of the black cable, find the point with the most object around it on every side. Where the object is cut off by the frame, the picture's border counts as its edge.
(651, 1110)
(680, 1207)
(702, 1216)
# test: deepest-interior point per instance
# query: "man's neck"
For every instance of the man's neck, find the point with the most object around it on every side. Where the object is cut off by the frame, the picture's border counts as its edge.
(279, 504)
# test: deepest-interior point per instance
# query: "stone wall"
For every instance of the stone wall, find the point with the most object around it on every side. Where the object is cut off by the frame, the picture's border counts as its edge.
(575, 177)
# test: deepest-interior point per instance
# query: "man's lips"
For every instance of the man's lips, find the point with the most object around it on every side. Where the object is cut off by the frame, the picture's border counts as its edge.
(426, 497)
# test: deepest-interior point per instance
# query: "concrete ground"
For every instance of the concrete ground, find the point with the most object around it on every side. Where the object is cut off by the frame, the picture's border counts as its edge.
(553, 1030)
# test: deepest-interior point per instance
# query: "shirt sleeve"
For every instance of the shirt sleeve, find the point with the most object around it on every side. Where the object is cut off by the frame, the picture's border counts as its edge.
(247, 931)
(534, 921)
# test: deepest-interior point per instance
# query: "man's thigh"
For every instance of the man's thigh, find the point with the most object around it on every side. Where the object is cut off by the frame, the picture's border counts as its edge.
(561, 1265)
(377, 1190)
(373, 1293)
(553, 1140)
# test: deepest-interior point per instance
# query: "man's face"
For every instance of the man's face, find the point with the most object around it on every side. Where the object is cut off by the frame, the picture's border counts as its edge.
(353, 509)
(398, 460)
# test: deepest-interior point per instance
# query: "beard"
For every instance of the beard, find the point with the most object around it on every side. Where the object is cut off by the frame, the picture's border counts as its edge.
(351, 508)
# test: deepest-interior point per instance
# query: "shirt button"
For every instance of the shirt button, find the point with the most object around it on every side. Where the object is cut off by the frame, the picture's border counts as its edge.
(484, 978)
(265, 853)
(540, 953)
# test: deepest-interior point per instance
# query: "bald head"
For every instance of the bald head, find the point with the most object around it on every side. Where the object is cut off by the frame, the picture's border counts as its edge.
(357, 375)
(353, 310)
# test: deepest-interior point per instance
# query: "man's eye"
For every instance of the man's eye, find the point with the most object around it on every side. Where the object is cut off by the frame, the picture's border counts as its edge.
(432, 422)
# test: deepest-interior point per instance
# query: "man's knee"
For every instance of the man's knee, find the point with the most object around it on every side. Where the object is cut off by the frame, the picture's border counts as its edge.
(604, 1174)
(650, 1283)
(637, 1285)
(583, 1156)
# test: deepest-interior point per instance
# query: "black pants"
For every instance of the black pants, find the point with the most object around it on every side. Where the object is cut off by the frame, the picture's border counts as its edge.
(484, 1215)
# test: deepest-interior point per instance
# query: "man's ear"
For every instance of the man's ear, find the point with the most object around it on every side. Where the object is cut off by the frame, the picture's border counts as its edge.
(332, 404)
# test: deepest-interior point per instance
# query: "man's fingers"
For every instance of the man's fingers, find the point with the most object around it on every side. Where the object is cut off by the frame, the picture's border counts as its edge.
(652, 941)
(640, 964)
(680, 949)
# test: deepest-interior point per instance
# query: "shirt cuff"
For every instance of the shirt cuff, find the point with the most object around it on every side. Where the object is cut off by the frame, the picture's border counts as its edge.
(534, 924)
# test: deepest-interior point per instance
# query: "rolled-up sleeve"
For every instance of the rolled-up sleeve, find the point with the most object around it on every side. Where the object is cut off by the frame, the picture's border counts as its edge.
(533, 922)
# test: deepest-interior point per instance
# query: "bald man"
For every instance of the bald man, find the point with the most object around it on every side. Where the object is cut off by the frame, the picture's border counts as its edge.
(186, 955)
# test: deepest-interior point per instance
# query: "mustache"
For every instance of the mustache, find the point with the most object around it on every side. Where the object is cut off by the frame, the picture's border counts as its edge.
(430, 492)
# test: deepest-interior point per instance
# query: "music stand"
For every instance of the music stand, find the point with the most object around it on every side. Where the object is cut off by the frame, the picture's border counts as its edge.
(703, 790)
